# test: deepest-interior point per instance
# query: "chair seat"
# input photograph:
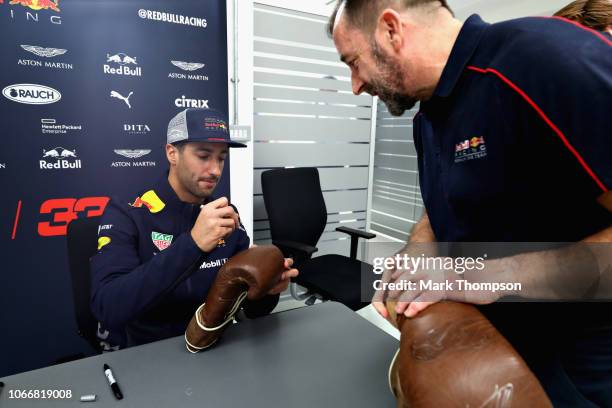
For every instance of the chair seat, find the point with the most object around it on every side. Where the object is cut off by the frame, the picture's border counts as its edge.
(338, 278)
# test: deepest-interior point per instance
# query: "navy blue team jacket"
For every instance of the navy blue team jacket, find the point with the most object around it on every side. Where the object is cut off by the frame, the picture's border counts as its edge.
(149, 276)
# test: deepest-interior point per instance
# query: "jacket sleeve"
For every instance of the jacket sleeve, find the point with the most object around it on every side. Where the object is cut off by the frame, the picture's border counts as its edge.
(122, 286)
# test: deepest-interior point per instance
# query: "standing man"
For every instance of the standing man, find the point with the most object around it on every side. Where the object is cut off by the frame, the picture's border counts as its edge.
(513, 141)
(159, 255)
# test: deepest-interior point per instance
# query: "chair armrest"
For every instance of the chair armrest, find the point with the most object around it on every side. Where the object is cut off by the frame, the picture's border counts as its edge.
(296, 250)
(355, 235)
(355, 232)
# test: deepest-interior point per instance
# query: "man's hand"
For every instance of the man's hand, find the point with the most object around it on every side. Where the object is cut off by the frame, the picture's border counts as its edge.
(410, 303)
(216, 221)
(378, 301)
(285, 278)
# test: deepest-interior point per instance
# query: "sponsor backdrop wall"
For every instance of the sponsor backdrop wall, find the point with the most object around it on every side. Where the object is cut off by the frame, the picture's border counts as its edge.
(88, 88)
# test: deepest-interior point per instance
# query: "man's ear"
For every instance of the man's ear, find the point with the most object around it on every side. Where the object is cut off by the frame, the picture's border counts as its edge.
(606, 200)
(172, 154)
(389, 30)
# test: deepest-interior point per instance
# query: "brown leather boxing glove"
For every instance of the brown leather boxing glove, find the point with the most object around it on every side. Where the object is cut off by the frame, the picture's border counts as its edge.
(249, 274)
(452, 356)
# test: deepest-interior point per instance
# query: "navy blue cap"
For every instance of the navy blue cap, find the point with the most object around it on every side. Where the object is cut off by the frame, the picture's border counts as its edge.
(200, 125)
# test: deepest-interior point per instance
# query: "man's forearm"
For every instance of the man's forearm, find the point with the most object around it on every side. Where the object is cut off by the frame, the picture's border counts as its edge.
(565, 273)
(420, 236)
(422, 232)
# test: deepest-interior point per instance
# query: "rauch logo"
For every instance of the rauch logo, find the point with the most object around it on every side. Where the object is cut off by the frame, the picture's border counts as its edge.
(31, 94)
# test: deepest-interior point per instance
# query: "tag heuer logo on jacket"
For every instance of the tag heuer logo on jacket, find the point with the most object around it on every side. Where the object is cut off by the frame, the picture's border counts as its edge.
(161, 241)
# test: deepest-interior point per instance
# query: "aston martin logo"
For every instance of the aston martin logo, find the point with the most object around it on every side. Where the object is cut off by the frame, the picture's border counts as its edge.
(43, 52)
(132, 154)
(188, 66)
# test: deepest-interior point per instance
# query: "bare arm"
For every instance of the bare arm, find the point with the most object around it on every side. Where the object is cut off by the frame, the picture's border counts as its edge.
(422, 232)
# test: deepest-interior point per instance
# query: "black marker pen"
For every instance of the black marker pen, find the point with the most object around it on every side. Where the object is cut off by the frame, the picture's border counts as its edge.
(111, 380)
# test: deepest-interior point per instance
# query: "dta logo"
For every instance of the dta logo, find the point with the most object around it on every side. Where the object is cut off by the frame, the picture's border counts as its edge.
(136, 129)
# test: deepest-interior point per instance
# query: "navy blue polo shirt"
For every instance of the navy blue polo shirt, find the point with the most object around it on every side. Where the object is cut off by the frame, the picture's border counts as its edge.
(515, 144)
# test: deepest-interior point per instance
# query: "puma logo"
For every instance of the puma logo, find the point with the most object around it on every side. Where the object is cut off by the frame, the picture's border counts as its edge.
(126, 99)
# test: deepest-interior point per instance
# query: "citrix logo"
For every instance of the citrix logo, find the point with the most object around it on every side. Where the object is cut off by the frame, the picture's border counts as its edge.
(183, 102)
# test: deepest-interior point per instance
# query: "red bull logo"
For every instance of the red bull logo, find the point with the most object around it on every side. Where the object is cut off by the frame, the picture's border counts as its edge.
(151, 201)
(37, 4)
(476, 141)
(469, 149)
(138, 203)
(215, 124)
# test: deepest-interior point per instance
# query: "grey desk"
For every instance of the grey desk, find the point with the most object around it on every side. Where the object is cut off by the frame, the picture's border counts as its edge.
(318, 356)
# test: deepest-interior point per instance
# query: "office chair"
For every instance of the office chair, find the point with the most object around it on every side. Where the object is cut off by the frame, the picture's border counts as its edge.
(298, 216)
(82, 239)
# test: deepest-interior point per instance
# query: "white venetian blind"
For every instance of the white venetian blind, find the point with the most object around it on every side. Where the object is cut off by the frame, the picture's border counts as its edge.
(307, 116)
(396, 197)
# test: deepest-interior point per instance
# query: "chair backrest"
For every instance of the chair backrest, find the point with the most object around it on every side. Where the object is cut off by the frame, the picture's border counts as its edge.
(295, 204)
(82, 240)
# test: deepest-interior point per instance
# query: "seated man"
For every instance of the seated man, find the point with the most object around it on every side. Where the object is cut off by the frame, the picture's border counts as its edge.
(158, 256)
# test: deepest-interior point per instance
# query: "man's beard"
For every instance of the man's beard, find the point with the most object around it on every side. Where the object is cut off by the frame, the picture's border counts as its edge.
(193, 187)
(397, 103)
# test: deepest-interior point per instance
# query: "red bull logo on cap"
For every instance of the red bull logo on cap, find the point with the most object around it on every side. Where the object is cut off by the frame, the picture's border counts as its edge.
(37, 4)
(215, 124)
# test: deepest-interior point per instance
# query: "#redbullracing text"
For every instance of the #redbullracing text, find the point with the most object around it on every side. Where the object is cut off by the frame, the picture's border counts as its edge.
(172, 18)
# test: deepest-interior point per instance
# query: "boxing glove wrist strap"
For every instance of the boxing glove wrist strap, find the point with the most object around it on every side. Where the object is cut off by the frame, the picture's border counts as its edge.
(230, 314)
